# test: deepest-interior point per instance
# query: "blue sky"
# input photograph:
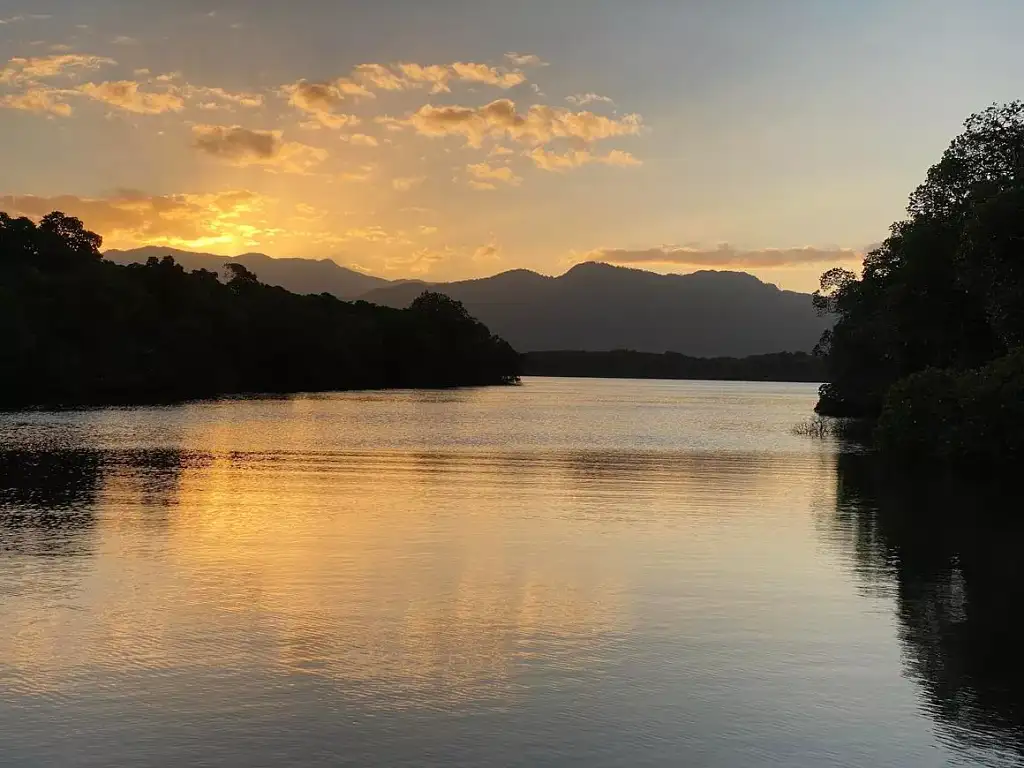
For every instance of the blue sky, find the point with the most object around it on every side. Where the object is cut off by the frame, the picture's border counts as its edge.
(776, 137)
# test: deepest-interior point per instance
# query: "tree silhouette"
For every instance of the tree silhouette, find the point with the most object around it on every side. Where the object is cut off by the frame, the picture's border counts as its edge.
(944, 291)
(80, 329)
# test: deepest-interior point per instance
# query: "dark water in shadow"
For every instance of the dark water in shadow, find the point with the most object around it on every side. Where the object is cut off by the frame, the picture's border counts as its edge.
(950, 554)
(567, 573)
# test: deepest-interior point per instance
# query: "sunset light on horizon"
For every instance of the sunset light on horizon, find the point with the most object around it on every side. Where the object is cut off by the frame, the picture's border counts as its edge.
(452, 140)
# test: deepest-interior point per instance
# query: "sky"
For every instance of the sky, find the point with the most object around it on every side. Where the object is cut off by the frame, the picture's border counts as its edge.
(450, 139)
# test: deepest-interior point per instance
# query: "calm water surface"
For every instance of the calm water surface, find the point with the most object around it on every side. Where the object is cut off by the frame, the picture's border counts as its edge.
(571, 572)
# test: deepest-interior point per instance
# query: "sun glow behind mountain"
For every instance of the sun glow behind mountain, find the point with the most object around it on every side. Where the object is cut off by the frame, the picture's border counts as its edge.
(447, 142)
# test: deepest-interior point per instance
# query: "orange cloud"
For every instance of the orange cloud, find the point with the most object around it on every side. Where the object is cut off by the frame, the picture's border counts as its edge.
(379, 76)
(438, 77)
(418, 262)
(620, 158)
(434, 75)
(38, 99)
(539, 125)
(361, 139)
(44, 67)
(556, 162)
(128, 95)
(725, 256)
(246, 99)
(487, 173)
(481, 73)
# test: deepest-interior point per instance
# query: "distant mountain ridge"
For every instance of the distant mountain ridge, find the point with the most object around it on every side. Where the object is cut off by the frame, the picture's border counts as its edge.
(592, 307)
(297, 275)
(597, 307)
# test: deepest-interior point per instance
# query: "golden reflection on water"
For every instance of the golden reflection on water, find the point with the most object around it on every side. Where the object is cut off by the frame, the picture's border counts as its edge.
(615, 566)
(363, 576)
(428, 575)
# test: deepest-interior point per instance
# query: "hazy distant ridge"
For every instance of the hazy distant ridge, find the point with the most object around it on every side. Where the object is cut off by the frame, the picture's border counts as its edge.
(600, 307)
(594, 307)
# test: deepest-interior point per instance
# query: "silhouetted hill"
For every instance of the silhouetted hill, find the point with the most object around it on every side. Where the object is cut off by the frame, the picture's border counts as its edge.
(301, 276)
(593, 306)
(600, 307)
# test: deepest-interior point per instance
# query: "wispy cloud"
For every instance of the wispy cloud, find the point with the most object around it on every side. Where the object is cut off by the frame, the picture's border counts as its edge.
(582, 99)
(361, 173)
(489, 252)
(361, 140)
(25, 17)
(248, 99)
(323, 98)
(419, 262)
(525, 59)
(404, 184)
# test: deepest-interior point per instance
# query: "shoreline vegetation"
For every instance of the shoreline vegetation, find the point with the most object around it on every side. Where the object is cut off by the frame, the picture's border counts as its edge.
(629, 364)
(928, 345)
(79, 330)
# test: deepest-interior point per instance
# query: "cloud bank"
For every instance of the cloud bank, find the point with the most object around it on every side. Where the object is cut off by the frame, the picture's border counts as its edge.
(726, 256)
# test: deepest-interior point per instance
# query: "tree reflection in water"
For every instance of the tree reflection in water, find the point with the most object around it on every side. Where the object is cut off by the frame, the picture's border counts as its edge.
(46, 498)
(954, 553)
(49, 496)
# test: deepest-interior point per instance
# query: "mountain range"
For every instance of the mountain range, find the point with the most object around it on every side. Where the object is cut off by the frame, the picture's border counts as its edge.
(593, 306)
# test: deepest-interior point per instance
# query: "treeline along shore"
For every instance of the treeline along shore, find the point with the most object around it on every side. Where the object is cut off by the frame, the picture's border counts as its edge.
(630, 364)
(77, 329)
(929, 338)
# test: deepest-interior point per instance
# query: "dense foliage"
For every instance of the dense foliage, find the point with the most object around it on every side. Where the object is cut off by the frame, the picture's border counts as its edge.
(974, 416)
(941, 297)
(79, 329)
(628, 364)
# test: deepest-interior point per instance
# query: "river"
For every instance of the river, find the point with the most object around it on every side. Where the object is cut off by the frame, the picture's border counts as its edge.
(569, 572)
